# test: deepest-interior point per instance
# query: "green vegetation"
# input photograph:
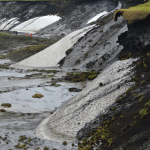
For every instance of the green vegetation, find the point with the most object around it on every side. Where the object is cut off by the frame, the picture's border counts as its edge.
(141, 99)
(139, 63)
(143, 112)
(53, 83)
(64, 143)
(2, 110)
(29, 139)
(134, 94)
(25, 52)
(6, 105)
(22, 138)
(46, 148)
(81, 76)
(129, 89)
(142, 82)
(133, 14)
(51, 75)
(91, 77)
(57, 85)
(20, 146)
(101, 133)
(145, 65)
(1, 33)
(37, 96)
(126, 56)
(147, 104)
(139, 95)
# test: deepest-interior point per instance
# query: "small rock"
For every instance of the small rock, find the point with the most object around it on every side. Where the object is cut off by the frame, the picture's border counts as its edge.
(74, 90)
(101, 84)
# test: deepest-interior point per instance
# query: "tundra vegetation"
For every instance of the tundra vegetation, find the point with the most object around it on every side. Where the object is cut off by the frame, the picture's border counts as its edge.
(133, 14)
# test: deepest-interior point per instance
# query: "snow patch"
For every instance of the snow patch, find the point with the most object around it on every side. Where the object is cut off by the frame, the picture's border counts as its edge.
(97, 16)
(7, 24)
(35, 24)
(50, 56)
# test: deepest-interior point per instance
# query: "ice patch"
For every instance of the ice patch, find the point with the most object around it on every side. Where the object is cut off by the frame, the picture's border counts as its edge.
(35, 24)
(97, 16)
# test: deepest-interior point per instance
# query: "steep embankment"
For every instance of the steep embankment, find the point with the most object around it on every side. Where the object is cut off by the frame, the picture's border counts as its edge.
(125, 124)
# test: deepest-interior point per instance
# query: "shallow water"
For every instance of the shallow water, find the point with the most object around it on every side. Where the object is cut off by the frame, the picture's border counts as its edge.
(13, 73)
(3, 61)
(22, 100)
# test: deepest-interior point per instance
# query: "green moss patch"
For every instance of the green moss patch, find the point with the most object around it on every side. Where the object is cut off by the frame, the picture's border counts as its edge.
(6, 105)
(2, 33)
(25, 52)
(38, 96)
(81, 76)
(133, 14)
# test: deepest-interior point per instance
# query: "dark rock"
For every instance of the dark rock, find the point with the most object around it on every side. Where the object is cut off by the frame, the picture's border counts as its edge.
(101, 84)
(74, 90)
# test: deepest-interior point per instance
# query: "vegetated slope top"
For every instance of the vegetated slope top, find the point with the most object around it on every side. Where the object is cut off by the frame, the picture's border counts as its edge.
(133, 14)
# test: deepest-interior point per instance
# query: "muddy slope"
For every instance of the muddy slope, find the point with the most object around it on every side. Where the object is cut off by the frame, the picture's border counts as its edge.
(127, 120)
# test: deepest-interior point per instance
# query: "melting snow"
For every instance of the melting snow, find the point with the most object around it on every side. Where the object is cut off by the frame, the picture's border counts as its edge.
(97, 16)
(6, 24)
(35, 24)
(50, 56)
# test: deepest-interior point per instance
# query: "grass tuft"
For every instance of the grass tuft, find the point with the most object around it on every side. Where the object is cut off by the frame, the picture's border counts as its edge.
(132, 14)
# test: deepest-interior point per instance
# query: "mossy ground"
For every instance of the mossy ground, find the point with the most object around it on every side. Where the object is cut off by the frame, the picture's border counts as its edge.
(1, 33)
(81, 76)
(38, 96)
(135, 13)
(6, 105)
(28, 51)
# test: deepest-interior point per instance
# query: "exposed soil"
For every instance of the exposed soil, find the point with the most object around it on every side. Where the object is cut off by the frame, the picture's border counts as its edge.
(126, 124)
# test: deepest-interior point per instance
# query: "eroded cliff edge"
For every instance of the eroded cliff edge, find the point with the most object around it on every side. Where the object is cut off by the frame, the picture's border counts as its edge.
(125, 124)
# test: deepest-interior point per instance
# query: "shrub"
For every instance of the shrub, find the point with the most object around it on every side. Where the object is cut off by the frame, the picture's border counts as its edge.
(46, 148)
(37, 96)
(64, 143)
(6, 105)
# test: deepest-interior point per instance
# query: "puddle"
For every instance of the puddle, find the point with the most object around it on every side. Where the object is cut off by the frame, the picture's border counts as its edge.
(12, 73)
(3, 61)
(22, 100)
(5, 83)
